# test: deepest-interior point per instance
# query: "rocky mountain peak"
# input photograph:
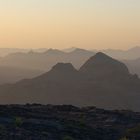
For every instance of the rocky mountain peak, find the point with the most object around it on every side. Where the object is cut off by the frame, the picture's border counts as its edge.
(103, 65)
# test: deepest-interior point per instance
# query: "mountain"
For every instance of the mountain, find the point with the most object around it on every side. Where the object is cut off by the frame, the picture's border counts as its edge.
(130, 57)
(54, 52)
(102, 81)
(45, 60)
(30, 64)
(6, 51)
(133, 65)
(36, 61)
(103, 66)
(129, 54)
(14, 74)
(40, 50)
(69, 49)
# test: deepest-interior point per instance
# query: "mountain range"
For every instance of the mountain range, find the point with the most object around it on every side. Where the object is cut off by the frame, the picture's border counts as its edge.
(7, 51)
(101, 81)
(33, 63)
(132, 53)
(129, 54)
(45, 60)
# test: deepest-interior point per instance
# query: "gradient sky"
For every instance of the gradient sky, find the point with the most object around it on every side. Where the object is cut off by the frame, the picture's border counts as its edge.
(89, 24)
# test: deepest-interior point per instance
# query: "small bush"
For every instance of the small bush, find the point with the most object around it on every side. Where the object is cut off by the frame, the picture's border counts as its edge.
(18, 122)
(67, 138)
(124, 138)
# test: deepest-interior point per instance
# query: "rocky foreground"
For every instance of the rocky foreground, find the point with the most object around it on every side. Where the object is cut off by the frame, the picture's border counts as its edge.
(66, 122)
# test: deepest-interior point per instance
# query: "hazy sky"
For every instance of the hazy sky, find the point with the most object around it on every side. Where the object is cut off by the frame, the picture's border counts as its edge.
(65, 23)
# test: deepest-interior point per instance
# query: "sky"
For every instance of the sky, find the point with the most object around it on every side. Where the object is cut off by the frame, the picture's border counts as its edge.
(88, 24)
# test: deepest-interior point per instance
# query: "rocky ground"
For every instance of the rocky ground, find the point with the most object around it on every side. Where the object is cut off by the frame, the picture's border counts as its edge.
(66, 122)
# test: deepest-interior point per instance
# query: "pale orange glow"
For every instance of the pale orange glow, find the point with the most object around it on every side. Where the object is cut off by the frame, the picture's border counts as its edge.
(62, 24)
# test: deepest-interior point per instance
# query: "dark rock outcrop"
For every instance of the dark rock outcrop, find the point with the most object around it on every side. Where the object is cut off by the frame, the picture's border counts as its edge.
(66, 122)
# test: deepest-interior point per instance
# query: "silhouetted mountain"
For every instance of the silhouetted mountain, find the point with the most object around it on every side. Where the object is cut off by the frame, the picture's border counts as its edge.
(103, 66)
(34, 62)
(132, 53)
(81, 52)
(134, 50)
(54, 52)
(6, 51)
(101, 81)
(13, 74)
(133, 65)
(69, 49)
(126, 56)
(63, 66)
(60, 72)
(45, 60)
(26, 63)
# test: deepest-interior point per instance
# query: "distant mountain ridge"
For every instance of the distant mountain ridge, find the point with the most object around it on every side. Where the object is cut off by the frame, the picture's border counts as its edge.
(45, 60)
(52, 56)
(41, 60)
(113, 87)
(7, 51)
(132, 53)
(134, 65)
